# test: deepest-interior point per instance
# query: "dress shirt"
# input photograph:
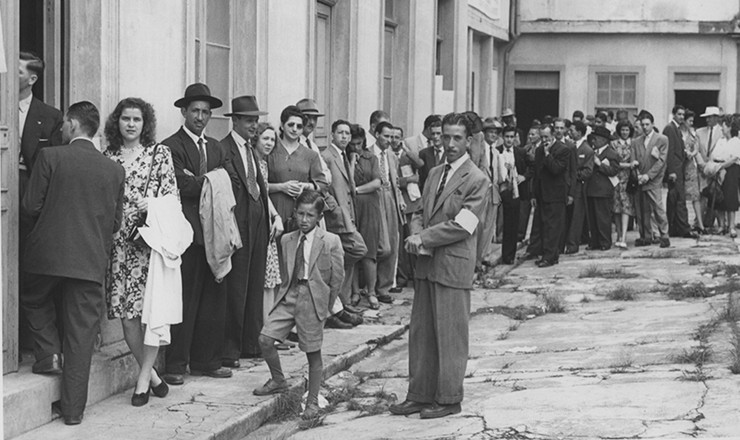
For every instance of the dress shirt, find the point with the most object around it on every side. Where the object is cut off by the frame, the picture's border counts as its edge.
(439, 154)
(23, 106)
(726, 149)
(454, 166)
(307, 249)
(648, 137)
(580, 141)
(384, 158)
(507, 157)
(243, 151)
(195, 139)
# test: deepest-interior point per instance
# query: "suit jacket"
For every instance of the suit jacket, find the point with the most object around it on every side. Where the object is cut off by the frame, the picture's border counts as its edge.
(651, 159)
(676, 151)
(428, 156)
(584, 169)
(494, 195)
(342, 188)
(75, 195)
(454, 249)
(393, 173)
(550, 182)
(237, 166)
(572, 164)
(703, 135)
(599, 185)
(185, 156)
(403, 182)
(325, 269)
(520, 162)
(417, 143)
(42, 129)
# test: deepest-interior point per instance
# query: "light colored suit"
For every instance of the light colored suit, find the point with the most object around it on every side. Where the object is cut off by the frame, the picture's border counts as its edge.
(390, 198)
(325, 269)
(705, 149)
(493, 201)
(417, 143)
(438, 337)
(648, 199)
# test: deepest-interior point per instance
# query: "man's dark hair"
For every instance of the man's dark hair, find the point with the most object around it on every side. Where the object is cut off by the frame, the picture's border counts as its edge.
(35, 64)
(377, 115)
(580, 127)
(602, 115)
(382, 125)
(311, 197)
(578, 114)
(398, 128)
(508, 129)
(459, 119)
(646, 115)
(87, 115)
(339, 122)
(432, 121)
(475, 120)
(676, 108)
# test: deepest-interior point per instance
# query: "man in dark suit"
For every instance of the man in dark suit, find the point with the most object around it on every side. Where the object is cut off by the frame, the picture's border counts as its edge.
(678, 215)
(515, 165)
(75, 196)
(198, 340)
(430, 135)
(600, 188)
(649, 151)
(433, 154)
(559, 131)
(584, 168)
(453, 200)
(245, 283)
(340, 215)
(550, 187)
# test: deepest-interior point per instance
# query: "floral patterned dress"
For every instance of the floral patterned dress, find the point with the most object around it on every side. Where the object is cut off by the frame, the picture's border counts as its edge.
(272, 270)
(129, 262)
(691, 182)
(622, 201)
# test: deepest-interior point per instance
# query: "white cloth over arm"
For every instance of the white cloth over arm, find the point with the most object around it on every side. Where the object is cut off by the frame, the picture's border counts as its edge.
(168, 234)
(220, 232)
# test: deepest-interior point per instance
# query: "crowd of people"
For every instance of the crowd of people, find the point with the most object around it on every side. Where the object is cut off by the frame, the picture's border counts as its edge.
(228, 249)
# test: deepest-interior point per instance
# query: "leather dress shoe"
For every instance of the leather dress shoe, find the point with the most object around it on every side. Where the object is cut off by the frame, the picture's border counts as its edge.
(173, 378)
(350, 318)
(570, 251)
(438, 410)
(529, 256)
(293, 337)
(218, 373)
(691, 234)
(665, 242)
(407, 407)
(140, 399)
(48, 365)
(396, 289)
(73, 420)
(334, 322)
(160, 390)
(640, 242)
(271, 387)
(546, 263)
(385, 298)
(352, 309)
(230, 363)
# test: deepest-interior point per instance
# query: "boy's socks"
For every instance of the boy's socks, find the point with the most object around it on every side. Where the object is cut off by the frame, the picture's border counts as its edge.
(272, 358)
(315, 370)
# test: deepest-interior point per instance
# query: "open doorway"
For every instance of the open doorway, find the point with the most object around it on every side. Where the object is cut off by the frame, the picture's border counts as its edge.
(697, 101)
(43, 26)
(531, 104)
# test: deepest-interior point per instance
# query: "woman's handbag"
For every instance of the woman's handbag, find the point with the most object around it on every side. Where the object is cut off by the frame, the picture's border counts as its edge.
(632, 182)
(133, 235)
(713, 193)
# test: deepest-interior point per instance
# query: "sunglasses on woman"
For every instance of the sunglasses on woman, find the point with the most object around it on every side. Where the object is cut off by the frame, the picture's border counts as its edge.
(293, 124)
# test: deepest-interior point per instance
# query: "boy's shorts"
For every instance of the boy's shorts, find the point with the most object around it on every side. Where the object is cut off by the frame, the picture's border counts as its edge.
(297, 309)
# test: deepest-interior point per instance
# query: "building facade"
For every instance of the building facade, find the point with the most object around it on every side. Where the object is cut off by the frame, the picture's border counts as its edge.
(408, 57)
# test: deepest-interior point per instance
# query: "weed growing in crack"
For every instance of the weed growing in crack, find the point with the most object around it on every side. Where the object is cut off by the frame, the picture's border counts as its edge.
(514, 326)
(594, 271)
(696, 375)
(287, 406)
(728, 270)
(554, 303)
(622, 364)
(585, 299)
(622, 293)
(694, 261)
(502, 336)
(679, 291)
(516, 387)
(699, 356)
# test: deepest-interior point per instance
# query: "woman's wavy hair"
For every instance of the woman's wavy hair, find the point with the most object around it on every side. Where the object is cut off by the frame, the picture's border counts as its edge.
(732, 121)
(618, 130)
(287, 113)
(261, 128)
(148, 132)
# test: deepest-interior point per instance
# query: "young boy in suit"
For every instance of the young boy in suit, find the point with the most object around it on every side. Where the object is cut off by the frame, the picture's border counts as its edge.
(313, 271)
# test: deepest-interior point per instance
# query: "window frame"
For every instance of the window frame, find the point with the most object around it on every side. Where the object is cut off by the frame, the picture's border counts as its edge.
(595, 71)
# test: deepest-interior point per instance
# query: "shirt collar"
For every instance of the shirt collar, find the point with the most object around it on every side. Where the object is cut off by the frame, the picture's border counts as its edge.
(240, 141)
(309, 236)
(24, 104)
(458, 163)
(194, 136)
(377, 150)
(337, 149)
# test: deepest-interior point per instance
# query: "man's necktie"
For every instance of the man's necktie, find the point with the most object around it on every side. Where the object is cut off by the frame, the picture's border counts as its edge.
(709, 145)
(349, 173)
(383, 168)
(438, 156)
(442, 183)
(252, 187)
(490, 162)
(202, 168)
(299, 271)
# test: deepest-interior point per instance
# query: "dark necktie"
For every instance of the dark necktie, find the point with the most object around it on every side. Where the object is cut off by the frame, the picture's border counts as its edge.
(442, 183)
(349, 174)
(709, 144)
(299, 271)
(490, 161)
(252, 187)
(202, 168)
(438, 156)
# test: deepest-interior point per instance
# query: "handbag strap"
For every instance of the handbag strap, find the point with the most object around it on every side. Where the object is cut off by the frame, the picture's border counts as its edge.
(151, 169)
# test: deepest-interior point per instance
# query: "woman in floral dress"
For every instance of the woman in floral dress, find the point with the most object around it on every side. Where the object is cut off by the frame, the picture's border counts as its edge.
(623, 205)
(264, 142)
(130, 132)
(694, 162)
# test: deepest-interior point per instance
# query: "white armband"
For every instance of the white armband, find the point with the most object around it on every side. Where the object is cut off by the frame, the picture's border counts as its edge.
(467, 220)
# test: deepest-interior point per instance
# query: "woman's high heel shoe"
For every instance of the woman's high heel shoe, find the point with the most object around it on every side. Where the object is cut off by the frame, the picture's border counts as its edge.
(140, 399)
(160, 390)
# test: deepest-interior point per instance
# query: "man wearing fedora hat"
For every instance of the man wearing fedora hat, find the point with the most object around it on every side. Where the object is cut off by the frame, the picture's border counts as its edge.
(708, 137)
(491, 167)
(310, 108)
(509, 119)
(600, 188)
(198, 340)
(245, 284)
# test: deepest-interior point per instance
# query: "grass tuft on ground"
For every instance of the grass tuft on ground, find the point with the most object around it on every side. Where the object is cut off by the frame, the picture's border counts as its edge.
(595, 271)
(622, 293)
(679, 291)
(554, 303)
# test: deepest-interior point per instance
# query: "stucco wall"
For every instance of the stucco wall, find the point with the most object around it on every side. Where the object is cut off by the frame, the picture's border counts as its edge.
(630, 10)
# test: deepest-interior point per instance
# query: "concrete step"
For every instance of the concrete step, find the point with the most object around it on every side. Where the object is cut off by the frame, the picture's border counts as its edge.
(28, 397)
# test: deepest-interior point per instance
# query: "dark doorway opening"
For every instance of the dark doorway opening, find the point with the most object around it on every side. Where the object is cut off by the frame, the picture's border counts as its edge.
(32, 34)
(697, 101)
(533, 104)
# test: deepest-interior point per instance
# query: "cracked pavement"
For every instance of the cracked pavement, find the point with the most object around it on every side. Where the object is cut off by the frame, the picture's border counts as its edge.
(604, 369)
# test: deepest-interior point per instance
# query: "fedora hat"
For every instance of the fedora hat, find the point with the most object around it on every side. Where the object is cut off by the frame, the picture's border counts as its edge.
(492, 124)
(711, 111)
(507, 112)
(245, 106)
(198, 92)
(309, 107)
(601, 132)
